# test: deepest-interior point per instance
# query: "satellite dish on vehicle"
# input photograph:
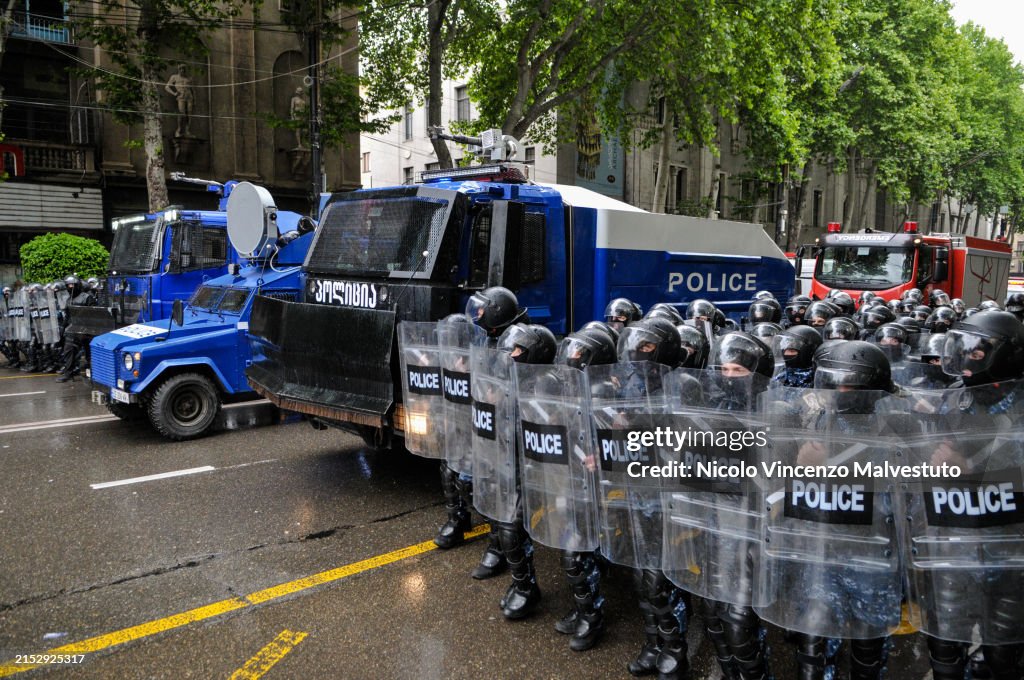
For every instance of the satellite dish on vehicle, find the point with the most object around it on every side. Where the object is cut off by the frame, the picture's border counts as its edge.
(252, 219)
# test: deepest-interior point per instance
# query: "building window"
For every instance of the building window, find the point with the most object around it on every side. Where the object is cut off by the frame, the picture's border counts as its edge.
(720, 198)
(680, 188)
(530, 154)
(462, 103)
(407, 121)
(816, 210)
(366, 161)
(407, 175)
(430, 167)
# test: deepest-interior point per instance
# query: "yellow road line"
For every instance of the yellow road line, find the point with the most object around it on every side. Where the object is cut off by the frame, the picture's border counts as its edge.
(30, 375)
(264, 659)
(120, 637)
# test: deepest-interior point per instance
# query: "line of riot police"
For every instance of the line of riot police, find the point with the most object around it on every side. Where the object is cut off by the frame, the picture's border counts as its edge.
(34, 323)
(539, 437)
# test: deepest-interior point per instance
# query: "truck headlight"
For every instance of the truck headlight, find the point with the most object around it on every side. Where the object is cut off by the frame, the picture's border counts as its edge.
(129, 361)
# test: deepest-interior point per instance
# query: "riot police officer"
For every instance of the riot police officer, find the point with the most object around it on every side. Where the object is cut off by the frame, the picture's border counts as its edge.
(585, 621)
(1015, 305)
(75, 346)
(527, 344)
(620, 312)
(796, 310)
(796, 346)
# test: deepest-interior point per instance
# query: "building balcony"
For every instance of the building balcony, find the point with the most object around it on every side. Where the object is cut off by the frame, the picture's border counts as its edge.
(50, 158)
(39, 27)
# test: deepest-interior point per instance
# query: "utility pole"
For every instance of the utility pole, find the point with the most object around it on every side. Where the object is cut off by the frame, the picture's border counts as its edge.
(315, 161)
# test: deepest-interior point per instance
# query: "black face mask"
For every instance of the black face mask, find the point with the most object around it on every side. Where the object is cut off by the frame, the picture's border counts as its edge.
(892, 352)
(637, 355)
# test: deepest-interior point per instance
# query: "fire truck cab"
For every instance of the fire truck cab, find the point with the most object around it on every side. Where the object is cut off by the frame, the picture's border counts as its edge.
(888, 263)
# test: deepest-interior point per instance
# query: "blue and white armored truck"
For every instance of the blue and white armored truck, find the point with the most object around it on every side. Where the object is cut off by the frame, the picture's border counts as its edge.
(178, 372)
(416, 252)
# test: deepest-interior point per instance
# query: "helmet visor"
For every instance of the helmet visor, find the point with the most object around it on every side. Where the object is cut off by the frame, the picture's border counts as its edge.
(736, 350)
(574, 352)
(476, 307)
(967, 354)
(840, 378)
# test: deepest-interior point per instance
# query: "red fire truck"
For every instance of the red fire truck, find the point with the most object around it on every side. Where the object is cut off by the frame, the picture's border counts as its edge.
(887, 264)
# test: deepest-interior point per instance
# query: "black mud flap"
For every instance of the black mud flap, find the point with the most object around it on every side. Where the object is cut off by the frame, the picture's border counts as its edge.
(329, 362)
(90, 321)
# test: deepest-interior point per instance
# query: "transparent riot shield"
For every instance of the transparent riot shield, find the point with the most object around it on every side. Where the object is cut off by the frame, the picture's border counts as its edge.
(455, 339)
(963, 535)
(22, 316)
(628, 400)
(5, 320)
(48, 323)
(830, 559)
(495, 488)
(422, 390)
(32, 301)
(714, 507)
(557, 456)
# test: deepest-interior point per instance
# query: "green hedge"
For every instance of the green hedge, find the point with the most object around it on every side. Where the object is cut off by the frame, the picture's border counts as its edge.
(53, 256)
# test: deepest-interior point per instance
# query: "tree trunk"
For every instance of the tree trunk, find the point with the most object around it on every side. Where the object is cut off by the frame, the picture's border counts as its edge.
(435, 86)
(797, 222)
(661, 180)
(851, 190)
(152, 139)
(861, 218)
(977, 220)
(780, 222)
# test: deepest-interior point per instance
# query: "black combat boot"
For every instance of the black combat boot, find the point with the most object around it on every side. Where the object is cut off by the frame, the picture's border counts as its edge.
(949, 660)
(646, 662)
(586, 620)
(492, 562)
(452, 532)
(523, 596)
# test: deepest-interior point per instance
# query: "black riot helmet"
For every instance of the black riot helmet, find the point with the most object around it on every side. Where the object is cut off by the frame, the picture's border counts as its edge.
(494, 309)
(840, 328)
(921, 312)
(528, 343)
(941, 320)
(586, 347)
(796, 308)
(765, 311)
(764, 295)
(958, 306)
(7, 291)
(604, 327)
(766, 331)
(92, 283)
(987, 347)
(654, 340)
(819, 313)
(738, 349)
(1015, 305)
(663, 310)
(911, 324)
(844, 302)
(620, 312)
(74, 285)
(970, 311)
(932, 347)
(875, 316)
(914, 294)
(864, 298)
(987, 305)
(938, 298)
(850, 367)
(907, 306)
(894, 306)
(694, 345)
(891, 338)
(724, 324)
(796, 346)
(701, 309)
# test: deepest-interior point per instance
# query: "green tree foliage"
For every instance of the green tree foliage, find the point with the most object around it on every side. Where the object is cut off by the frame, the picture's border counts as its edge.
(53, 256)
(134, 35)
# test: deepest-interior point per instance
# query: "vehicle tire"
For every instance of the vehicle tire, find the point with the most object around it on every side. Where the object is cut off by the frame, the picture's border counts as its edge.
(127, 412)
(184, 406)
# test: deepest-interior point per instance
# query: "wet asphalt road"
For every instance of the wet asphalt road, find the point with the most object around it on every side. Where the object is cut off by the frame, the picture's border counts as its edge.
(118, 566)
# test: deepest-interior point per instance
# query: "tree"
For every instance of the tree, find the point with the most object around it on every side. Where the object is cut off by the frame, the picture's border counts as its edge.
(132, 34)
(408, 49)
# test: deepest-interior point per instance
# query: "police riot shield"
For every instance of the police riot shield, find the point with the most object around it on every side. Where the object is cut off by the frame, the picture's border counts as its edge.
(422, 396)
(920, 375)
(963, 531)
(455, 339)
(492, 382)
(714, 509)
(830, 558)
(48, 323)
(5, 319)
(557, 457)
(22, 316)
(628, 402)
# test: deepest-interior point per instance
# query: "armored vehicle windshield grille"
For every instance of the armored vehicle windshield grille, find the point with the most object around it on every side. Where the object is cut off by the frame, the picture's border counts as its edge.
(136, 248)
(378, 235)
(532, 248)
(197, 247)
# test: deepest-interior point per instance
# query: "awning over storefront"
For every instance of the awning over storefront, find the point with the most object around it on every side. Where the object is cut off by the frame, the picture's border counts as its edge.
(25, 205)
